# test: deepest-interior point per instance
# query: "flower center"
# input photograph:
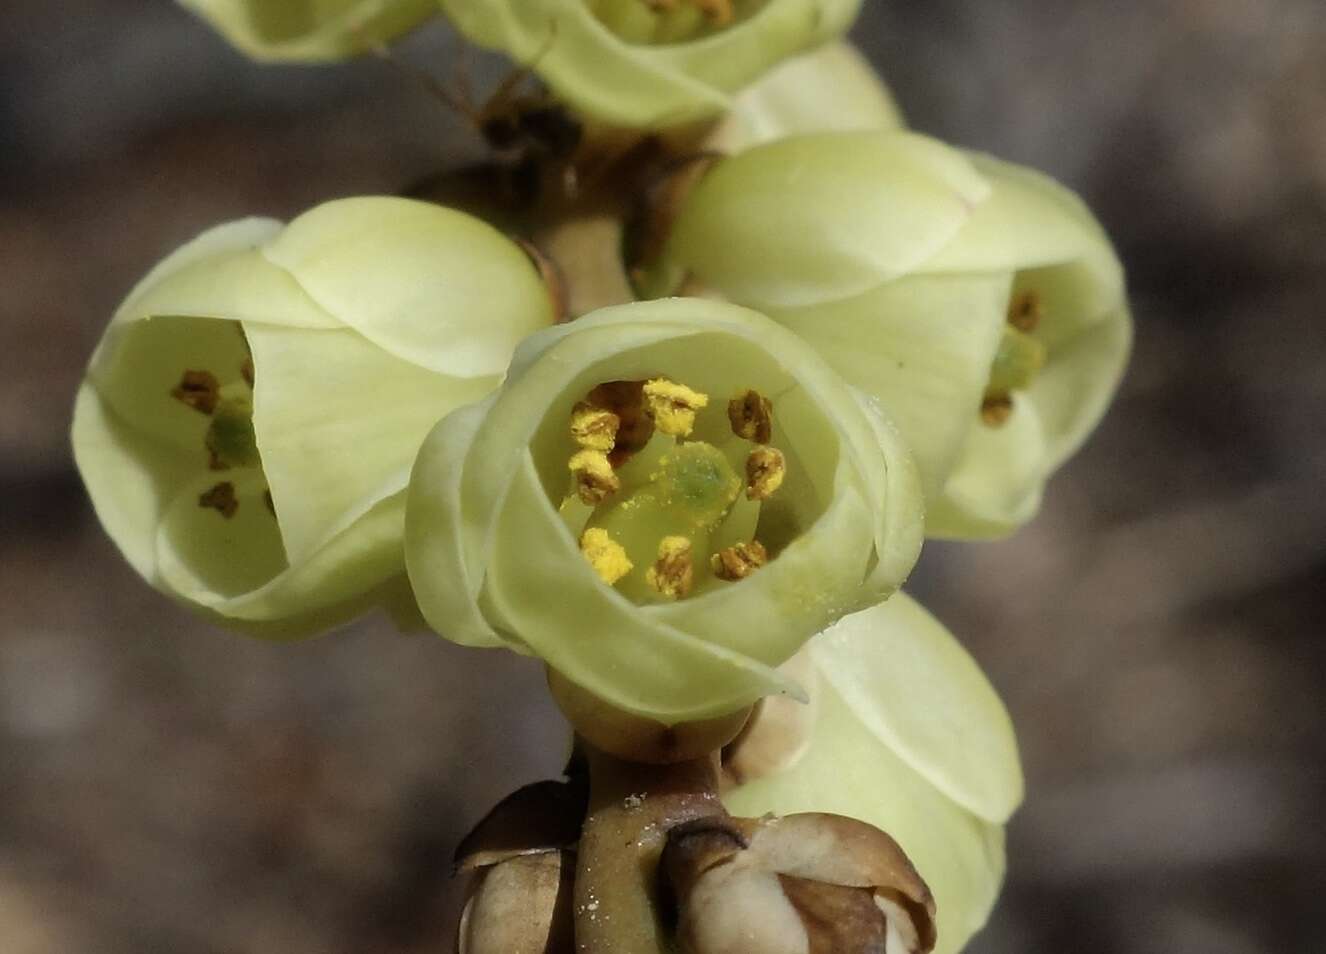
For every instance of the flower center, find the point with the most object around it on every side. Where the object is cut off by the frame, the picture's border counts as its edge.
(658, 513)
(653, 22)
(1018, 360)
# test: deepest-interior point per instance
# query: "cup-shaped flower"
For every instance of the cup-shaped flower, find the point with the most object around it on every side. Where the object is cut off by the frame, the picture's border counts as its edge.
(649, 63)
(980, 302)
(663, 501)
(831, 88)
(910, 737)
(248, 421)
(273, 30)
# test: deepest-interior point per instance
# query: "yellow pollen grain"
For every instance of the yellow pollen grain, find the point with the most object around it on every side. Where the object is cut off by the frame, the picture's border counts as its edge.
(673, 406)
(673, 573)
(220, 498)
(593, 427)
(594, 477)
(1024, 311)
(739, 560)
(605, 555)
(995, 410)
(751, 415)
(199, 390)
(765, 469)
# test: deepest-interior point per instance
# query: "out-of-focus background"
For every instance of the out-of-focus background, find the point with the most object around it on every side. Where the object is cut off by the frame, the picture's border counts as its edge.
(1157, 633)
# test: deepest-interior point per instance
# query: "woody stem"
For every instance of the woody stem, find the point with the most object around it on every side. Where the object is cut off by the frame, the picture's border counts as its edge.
(632, 806)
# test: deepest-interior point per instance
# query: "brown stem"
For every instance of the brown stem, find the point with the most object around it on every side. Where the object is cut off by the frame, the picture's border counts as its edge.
(632, 806)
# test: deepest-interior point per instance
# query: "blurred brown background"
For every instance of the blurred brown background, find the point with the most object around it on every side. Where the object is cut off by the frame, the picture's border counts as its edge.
(167, 787)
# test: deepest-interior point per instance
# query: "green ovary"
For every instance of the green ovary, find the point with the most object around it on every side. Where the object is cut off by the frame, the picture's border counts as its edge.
(1019, 358)
(230, 438)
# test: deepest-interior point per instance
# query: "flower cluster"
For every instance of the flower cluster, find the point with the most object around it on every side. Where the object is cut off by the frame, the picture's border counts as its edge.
(694, 505)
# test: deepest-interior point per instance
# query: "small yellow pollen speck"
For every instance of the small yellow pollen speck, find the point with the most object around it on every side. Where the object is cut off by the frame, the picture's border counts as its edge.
(605, 555)
(220, 498)
(200, 390)
(1024, 311)
(996, 409)
(673, 573)
(739, 561)
(751, 416)
(593, 427)
(765, 469)
(673, 406)
(595, 480)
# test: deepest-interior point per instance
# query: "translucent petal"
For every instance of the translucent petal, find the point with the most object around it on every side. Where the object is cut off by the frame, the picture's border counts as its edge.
(829, 89)
(338, 423)
(997, 484)
(620, 83)
(817, 218)
(431, 285)
(221, 274)
(849, 771)
(130, 477)
(922, 346)
(912, 684)
(551, 597)
(312, 30)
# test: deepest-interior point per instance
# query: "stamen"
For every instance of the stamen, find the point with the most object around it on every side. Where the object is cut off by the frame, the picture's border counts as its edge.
(220, 498)
(673, 574)
(751, 416)
(200, 390)
(673, 406)
(635, 427)
(605, 555)
(995, 410)
(719, 11)
(594, 478)
(739, 561)
(1024, 311)
(765, 469)
(593, 427)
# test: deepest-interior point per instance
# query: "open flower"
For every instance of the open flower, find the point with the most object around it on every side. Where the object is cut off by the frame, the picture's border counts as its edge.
(248, 421)
(664, 501)
(908, 736)
(649, 63)
(311, 32)
(980, 302)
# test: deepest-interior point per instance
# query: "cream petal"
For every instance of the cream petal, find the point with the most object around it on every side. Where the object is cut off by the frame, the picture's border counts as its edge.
(922, 346)
(913, 685)
(849, 771)
(338, 423)
(310, 31)
(130, 476)
(431, 285)
(997, 484)
(816, 218)
(551, 597)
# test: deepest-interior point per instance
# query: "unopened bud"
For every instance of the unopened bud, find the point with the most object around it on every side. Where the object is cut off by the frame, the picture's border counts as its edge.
(779, 731)
(521, 906)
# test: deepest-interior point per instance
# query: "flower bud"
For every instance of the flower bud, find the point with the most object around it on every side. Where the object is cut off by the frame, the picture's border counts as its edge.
(909, 737)
(502, 551)
(521, 905)
(248, 421)
(807, 882)
(272, 30)
(649, 63)
(978, 301)
(830, 88)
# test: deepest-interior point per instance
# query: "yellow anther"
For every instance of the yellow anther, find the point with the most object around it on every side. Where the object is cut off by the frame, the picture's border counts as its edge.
(674, 572)
(673, 406)
(765, 469)
(593, 427)
(220, 498)
(605, 555)
(594, 478)
(739, 561)
(1024, 311)
(200, 390)
(995, 410)
(751, 416)
(626, 399)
